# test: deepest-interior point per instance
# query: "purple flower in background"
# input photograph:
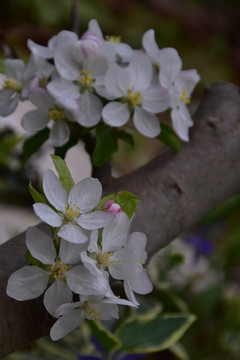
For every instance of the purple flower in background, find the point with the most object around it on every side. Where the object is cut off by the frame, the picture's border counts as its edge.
(116, 355)
(201, 242)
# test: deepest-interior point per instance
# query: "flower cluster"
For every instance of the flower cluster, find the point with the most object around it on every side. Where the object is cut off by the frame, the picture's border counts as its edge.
(90, 241)
(89, 79)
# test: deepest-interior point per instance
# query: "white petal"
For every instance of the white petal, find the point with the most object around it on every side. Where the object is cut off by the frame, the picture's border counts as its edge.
(82, 281)
(66, 324)
(60, 87)
(115, 235)
(156, 99)
(99, 63)
(95, 220)
(93, 239)
(54, 191)
(126, 265)
(14, 69)
(41, 98)
(107, 310)
(146, 123)
(57, 294)
(8, 101)
(117, 300)
(35, 120)
(115, 113)
(170, 65)
(90, 263)
(140, 71)
(124, 51)
(130, 293)
(59, 133)
(69, 253)
(27, 283)
(141, 284)
(40, 245)
(187, 80)
(136, 243)
(46, 214)
(65, 64)
(86, 194)
(94, 28)
(90, 109)
(73, 234)
(150, 45)
(117, 81)
(39, 50)
(181, 120)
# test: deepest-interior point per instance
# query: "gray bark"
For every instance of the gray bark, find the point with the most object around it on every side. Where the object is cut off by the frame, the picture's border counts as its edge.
(176, 191)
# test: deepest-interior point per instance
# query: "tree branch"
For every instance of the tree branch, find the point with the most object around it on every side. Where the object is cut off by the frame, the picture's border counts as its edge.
(176, 191)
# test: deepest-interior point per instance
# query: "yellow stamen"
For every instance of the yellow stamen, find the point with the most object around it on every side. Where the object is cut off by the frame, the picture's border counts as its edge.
(184, 97)
(105, 259)
(43, 82)
(86, 79)
(142, 261)
(58, 270)
(56, 114)
(134, 98)
(12, 85)
(90, 312)
(71, 211)
(113, 39)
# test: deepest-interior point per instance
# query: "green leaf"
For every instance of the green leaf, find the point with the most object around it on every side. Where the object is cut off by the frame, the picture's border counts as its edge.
(64, 174)
(168, 137)
(33, 143)
(153, 333)
(106, 144)
(2, 66)
(37, 196)
(127, 202)
(108, 340)
(128, 138)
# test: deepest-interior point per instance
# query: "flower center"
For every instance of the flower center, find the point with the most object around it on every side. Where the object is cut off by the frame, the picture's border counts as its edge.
(12, 85)
(58, 270)
(134, 98)
(86, 79)
(184, 98)
(105, 259)
(71, 211)
(90, 312)
(56, 114)
(113, 39)
(42, 82)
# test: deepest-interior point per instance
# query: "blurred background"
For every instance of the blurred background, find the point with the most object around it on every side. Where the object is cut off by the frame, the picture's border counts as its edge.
(200, 272)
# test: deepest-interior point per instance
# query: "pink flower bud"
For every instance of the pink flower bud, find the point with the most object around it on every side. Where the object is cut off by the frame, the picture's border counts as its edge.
(112, 207)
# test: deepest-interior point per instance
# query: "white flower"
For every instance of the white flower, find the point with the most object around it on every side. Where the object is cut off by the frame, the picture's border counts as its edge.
(49, 110)
(132, 85)
(83, 80)
(74, 210)
(92, 308)
(179, 83)
(30, 282)
(16, 85)
(121, 263)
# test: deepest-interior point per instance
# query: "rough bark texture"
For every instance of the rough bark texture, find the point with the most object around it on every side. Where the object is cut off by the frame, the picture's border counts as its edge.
(176, 191)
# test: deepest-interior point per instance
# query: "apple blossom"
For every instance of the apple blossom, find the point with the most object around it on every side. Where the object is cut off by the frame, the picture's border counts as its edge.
(73, 212)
